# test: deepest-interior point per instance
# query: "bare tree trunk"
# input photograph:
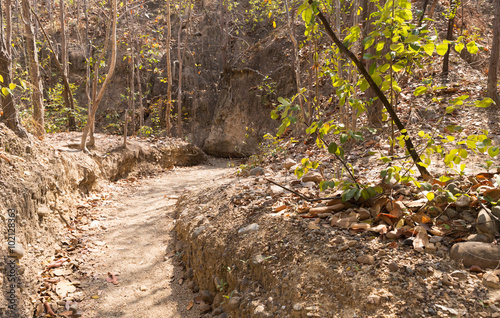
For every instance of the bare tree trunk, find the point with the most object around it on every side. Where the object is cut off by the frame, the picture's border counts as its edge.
(494, 58)
(36, 82)
(374, 109)
(95, 103)
(139, 90)
(169, 72)
(131, 100)
(68, 102)
(295, 57)
(10, 113)
(181, 61)
(449, 36)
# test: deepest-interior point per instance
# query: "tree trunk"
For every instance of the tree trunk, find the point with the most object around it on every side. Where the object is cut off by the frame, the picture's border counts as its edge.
(139, 90)
(131, 100)
(494, 58)
(64, 61)
(10, 114)
(36, 82)
(181, 62)
(169, 72)
(449, 37)
(95, 103)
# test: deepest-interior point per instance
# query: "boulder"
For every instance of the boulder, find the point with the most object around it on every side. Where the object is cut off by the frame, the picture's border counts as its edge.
(481, 254)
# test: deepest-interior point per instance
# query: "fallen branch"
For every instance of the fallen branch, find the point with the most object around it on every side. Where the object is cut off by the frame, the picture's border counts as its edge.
(302, 196)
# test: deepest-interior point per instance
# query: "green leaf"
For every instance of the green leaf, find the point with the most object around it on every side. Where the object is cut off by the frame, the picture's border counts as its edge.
(379, 46)
(472, 47)
(420, 90)
(441, 49)
(399, 47)
(332, 148)
(397, 67)
(493, 151)
(283, 101)
(429, 48)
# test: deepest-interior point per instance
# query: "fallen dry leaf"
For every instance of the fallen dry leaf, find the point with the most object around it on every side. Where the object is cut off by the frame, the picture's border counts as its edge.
(421, 240)
(190, 305)
(64, 287)
(57, 263)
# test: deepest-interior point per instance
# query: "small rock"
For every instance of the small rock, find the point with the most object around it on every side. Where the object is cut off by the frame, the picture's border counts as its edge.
(496, 211)
(298, 307)
(206, 296)
(485, 224)
(312, 176)
(363, 214)
(217, 300)
(189, 273)
(435, 239)
(366, 259)
(490, 279)
(217, 311)
(257, 171)
(373, 300)
(469, 218)
(431, 248)
(481, 254)
(459, 274)
(463, 201)
(234, 303)
(254, 227)
(260, 311)
(479, 238)
(288, 163)
(453, 188)
(143, 288)
(43, 211)
(204, 308)
(14, 249)
(191, 285)
(448, 280)
(451, 213)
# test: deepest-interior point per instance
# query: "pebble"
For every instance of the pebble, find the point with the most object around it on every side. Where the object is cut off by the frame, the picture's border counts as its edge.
(249, 228)
(298, 307)
(373, 300)
(463, 201)
(234, 303)
(312, 176)
(15, 250)
(366, 259)
(479, 238)
(206, 296)
(288, 163)
(257, 171)
(205, 308)
(490, 279)
(496, 211)
(485, 224)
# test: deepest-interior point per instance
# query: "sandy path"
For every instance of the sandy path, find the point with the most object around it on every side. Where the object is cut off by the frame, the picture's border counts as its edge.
(139, 247)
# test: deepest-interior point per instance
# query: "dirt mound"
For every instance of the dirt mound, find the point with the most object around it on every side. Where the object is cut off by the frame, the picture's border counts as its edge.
(247, 243)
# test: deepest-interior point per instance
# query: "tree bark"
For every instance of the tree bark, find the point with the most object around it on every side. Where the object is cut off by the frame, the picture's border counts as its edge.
(36, 82)
(345, 51)
(95, 103)
(68, 101)
(169, 72)
(181, 62)
(494, 58)
(10, 113)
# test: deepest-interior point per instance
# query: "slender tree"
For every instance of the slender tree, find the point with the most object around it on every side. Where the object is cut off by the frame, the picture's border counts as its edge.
(34, 70)
(68, 102)
(97, 100)
(180, 55)
(10, 112)
(169, 72)
(494, 58)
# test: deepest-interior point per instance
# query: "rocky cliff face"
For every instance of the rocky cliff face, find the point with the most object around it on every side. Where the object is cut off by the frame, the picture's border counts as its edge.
(224, 114)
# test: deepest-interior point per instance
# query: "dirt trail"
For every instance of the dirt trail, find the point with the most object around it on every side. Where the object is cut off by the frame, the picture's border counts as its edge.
(139, 246)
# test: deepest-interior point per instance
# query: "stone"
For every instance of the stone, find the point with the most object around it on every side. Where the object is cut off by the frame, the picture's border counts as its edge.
(451, 213)
(366, 259)
(452, 187)
(260, 311)
(288, 163)
(463, 201)
(373, 300)
(43, 211)
(448, 280)
(254, 227)
(206, 296)
(481, 254)
(496, 211)
(485, 224)
(393, 267)
(297, 307)
(204, 308)
(191, 285)
(217, 300)
(469, 218)
(363, 214)
(234, 303)
(490, 279)
(257, 171)
(14, 249)
(189, 273)
(217, 311)
(462, 275)
(479, 238)
(312, 176)
(435, 239)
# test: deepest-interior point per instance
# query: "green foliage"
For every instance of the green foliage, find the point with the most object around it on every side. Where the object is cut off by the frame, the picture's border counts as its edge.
(56, 112)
